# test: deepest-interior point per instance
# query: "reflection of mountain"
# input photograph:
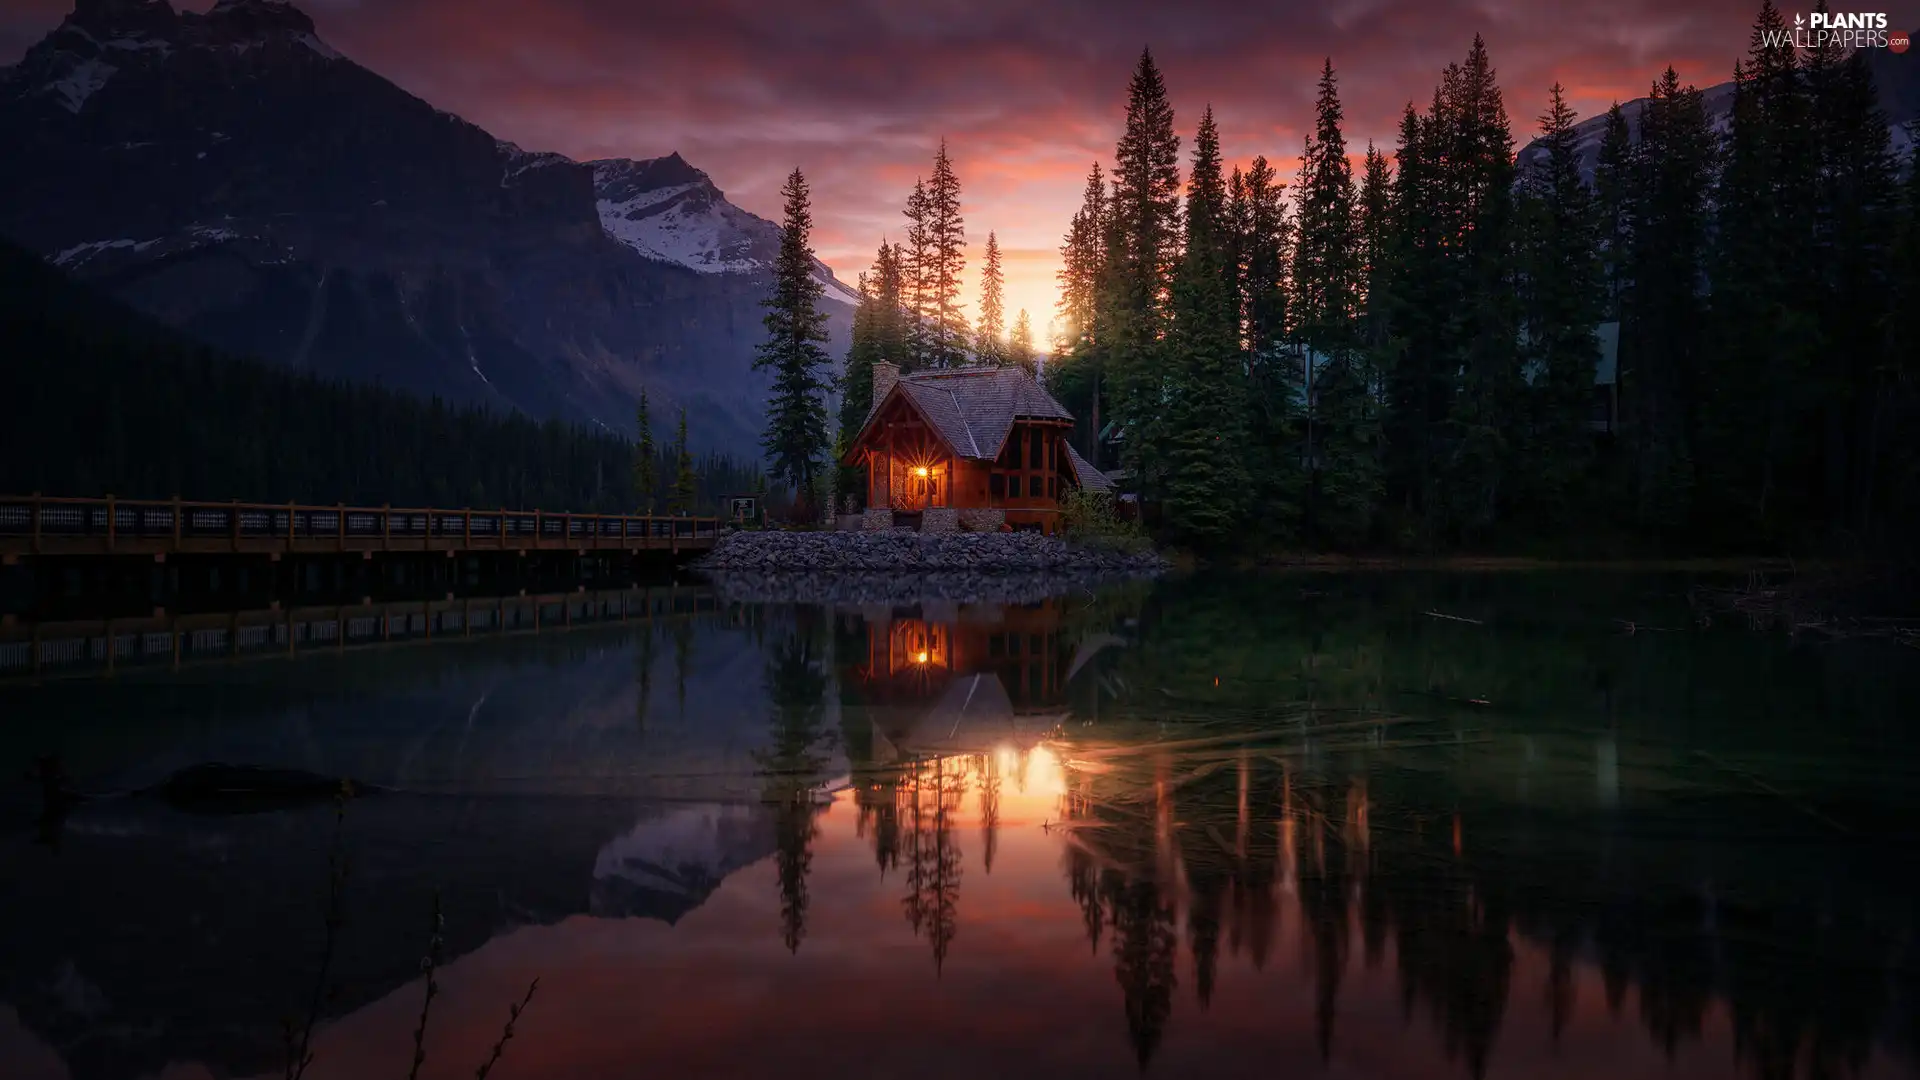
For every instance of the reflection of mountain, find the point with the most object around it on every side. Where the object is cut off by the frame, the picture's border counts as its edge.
(673, 859)
(154, 937)
(536, 716)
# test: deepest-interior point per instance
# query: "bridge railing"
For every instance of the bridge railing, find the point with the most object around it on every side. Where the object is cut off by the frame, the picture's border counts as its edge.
(110, 520)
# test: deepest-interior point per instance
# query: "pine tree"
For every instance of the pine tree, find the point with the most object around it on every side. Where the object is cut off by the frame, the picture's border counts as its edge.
(1142, 249)
(646, 458)
(685, 497)
(1275, 396)
(1020, 343)
(856, 379)
(1561, 301)
(946, 243)
(1612, 175)
(1075, 370)
(1202, 434)
(1761, 348)
(1670, 175)
(1484, 343)
(796, 440)
(1341, 445)
(916, 267)
(1856, 218)
(1375, 232)
(989, 343)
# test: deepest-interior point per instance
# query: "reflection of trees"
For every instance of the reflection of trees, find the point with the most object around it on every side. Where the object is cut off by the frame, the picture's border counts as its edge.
(1806, 990)
(1144, 943)
(643, 676)
(931, 795)
(682, 659)
(988, 768)
(794, 762)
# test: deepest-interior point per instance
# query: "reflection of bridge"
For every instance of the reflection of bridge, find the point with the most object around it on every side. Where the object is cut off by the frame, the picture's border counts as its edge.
(107, 646)
(38, 525)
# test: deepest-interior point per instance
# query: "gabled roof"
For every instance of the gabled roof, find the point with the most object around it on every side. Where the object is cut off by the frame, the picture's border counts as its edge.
(973, 409)
(1088, 477)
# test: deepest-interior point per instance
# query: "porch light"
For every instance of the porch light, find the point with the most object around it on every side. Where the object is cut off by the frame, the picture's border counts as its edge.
(920, 657)
(919, 470)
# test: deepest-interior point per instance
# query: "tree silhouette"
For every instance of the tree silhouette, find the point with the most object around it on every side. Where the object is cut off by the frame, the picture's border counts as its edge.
(795, 760)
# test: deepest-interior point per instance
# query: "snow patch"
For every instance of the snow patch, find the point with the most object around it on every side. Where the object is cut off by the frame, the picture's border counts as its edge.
(80, 253)
(81, 83)
(837, 291)
(141, 44)
(713, 239)
(313, 42)
(524, 160)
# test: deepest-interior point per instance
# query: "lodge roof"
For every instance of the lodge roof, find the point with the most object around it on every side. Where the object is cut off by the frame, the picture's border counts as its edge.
(973, 409)
(1089, 477)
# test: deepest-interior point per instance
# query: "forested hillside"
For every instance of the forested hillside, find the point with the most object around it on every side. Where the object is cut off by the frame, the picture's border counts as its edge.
(100, 399)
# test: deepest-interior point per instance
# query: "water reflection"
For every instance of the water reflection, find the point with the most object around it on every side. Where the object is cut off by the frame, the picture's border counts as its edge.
(1193, 832)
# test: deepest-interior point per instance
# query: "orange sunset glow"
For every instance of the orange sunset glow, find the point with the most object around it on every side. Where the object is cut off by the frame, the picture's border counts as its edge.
(1027, 96)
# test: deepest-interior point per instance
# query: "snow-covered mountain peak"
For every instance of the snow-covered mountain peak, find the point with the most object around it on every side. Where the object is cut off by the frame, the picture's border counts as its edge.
(666, 209)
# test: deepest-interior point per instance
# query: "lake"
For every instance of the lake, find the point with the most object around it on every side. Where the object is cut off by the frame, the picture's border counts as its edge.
(1528, 825)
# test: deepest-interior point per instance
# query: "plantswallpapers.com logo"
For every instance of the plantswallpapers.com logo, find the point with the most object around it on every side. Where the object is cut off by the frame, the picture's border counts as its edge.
(1846, 29)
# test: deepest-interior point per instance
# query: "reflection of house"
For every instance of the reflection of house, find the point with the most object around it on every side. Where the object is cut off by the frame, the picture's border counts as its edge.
(979, 447)
(965, 686)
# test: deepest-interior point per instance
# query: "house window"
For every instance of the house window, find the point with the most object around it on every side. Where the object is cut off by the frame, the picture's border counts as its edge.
(1013, 644)
(1035, 487)
(997, 486)
(996, 645)
(1033, 449)
(1053, 487)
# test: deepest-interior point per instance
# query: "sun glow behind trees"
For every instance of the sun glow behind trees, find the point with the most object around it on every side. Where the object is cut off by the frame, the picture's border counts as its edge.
(1414, 334)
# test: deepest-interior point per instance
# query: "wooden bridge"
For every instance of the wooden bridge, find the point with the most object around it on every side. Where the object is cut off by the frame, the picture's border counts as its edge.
(106, 647)
(39, 525)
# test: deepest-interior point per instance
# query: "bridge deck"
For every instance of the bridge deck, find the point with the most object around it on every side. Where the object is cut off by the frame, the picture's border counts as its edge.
(37, 525)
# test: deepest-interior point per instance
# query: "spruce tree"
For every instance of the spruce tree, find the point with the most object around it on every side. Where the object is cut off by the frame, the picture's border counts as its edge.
(1074, 372)
(1561, 303)
(1856, 208)
(856, 379)
(989, 344)
(1612, 176)
(1341, 444)
(646, 458)
(1375, 232)
(1020, 343)
(1477, 186)
(946, 243)
(1670, 176)
(916, 268)
(796, 440)
(1142, 248)
(1203, 437)
(1274, 392)
(686, 495)
(1762, 346)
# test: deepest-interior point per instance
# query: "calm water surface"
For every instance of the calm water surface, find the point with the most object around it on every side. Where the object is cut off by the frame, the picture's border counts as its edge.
(1265, 826)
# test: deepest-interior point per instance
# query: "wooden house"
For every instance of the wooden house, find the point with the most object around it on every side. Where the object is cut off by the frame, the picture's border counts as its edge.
(977, 448)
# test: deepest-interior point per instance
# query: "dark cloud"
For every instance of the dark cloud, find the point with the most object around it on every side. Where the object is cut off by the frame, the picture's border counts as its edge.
(1027, 93)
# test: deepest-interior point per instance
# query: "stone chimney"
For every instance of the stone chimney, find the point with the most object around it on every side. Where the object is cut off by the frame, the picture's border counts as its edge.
(885, 374)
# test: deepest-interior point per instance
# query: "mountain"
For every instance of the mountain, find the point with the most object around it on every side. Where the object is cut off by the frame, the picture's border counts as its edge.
(234, 175)
(1896, 75)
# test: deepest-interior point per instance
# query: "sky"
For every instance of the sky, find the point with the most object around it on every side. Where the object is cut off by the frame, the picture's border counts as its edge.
(1028, 94)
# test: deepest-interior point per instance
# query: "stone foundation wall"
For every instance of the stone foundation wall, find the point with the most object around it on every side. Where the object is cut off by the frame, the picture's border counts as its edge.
(983, 519)
(878, 519)
(940, 519)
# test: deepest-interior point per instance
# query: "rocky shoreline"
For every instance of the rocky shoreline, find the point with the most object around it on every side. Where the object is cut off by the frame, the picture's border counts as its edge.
(906, 567)
(910, 552)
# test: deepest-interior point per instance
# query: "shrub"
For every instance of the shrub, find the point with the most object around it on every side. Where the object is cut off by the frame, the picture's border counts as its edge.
(1092, 519)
